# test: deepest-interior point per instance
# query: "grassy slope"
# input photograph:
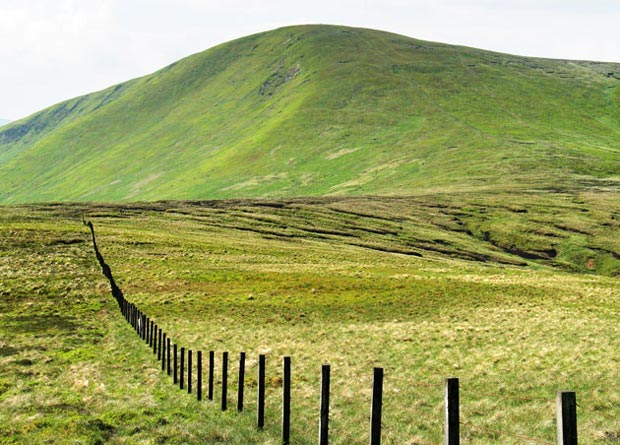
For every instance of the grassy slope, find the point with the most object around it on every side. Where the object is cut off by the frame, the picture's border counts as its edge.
(316, 110)
(317, 279)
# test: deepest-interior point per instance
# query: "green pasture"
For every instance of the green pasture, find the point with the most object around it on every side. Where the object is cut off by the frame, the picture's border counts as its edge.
(428, 288)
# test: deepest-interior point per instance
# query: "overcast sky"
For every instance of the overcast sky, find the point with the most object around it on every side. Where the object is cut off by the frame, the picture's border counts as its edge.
(52, 50)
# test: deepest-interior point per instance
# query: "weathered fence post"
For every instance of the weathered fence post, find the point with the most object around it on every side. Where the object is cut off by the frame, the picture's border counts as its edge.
(241, 382)
(452, 426)
(182, 372)
(376, 407)
(260, 401)
(567, 418)
(175, 379)
(286, 400)
(199, 376)
(155, 337)
(159, 338)
(163, 352)
(211, 371)
(189, 371)
(224, 380)
(168, 356)
(324, 415)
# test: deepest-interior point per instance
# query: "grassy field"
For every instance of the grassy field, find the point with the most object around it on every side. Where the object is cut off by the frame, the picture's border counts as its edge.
(426, 287)
(323, 110)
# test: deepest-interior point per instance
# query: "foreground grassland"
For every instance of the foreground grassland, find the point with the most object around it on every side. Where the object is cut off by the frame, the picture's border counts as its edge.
(516, 295)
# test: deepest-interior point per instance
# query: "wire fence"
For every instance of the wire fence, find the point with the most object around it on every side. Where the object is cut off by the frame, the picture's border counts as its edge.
(198, 373)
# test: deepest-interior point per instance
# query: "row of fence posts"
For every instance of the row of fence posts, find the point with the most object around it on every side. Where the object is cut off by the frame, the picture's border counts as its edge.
(147, 329)
(168, 354)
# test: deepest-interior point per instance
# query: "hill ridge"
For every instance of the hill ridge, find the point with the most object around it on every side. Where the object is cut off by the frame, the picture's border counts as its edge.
(324, 110)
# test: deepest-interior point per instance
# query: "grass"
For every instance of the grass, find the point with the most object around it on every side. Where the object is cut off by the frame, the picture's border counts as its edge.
(323, 110)
(348, 281)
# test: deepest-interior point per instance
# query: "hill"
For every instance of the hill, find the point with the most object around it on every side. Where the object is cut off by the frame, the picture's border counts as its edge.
(4, 122)
(324, 110)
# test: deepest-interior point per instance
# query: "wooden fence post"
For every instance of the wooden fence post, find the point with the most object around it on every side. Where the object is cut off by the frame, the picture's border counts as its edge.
(224, 380)
(324, 415)
(199, 376)
(145, 335)
(182, 371)
(567, 418)
(159, 338)
(163, 352)
(452, 426)
(168, 356)
(189, 371)
(260, 408)
(241, 382)
(286, 400)
(175, 379)
(211, 371)
(376, 407)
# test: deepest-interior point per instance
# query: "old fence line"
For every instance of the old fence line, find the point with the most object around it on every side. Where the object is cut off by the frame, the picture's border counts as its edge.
(180, 369)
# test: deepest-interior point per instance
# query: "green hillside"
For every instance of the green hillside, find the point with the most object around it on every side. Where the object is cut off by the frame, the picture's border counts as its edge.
(4, 122)
(316, 110)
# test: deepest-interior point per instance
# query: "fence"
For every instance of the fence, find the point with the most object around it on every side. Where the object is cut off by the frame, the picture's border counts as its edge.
(177, 362)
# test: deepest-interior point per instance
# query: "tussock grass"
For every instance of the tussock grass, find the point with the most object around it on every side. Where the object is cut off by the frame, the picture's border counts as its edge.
(293, 278)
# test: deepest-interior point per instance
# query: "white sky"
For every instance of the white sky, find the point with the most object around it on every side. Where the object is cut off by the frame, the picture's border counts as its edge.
(52, 50)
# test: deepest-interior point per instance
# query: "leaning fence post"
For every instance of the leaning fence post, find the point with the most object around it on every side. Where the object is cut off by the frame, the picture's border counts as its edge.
(199, 376)
(211, 370)
(567, 418)
(452, 433)
(260, 408)
(376, 407)
(241, 382)
(324, 416)
(286, 400)
(224, 380)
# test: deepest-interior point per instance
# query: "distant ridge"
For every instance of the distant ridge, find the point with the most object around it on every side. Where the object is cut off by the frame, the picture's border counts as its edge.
(324, 110)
